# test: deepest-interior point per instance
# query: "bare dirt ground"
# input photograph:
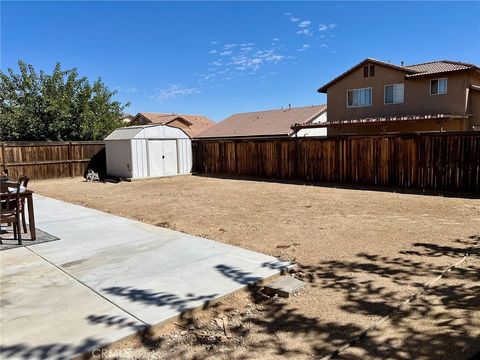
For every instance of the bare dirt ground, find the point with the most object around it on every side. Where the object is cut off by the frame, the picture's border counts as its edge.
(361, 253)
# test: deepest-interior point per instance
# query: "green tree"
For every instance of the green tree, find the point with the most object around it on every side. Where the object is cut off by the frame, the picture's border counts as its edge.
(57, 107)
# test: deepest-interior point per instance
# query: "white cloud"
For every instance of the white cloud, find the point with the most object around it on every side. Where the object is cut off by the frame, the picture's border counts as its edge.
(212, 52)
(127, 89)
(324, 27)
(175, 91)
(225, 53)
(217, 63)
(294, 19)
(324, 45)
(246, 48)
(304, 47)
(230, 46)
(287, 13)
(305, 31)
(275, 39)
(213, 42)
(304, 24)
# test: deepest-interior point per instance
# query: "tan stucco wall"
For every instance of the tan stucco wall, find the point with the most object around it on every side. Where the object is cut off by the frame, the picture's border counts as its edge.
(474, 108)
(417, 98)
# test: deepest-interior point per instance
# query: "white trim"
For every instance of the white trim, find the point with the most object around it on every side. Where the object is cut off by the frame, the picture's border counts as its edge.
(385, 93)
(358, 106)
(438, 93)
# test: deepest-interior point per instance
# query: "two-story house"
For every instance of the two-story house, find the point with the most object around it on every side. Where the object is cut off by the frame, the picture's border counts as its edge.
(376, 97)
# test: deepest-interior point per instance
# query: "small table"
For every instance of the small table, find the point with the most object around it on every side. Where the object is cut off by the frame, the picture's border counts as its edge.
(28, 195)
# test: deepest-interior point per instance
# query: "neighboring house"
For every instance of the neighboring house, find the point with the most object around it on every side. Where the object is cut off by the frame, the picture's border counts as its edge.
(126, 119)
(269, 123)
(191, 124)
(377, 97)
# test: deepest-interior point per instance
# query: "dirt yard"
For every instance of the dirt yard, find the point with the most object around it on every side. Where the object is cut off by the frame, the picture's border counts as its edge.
(361, 253)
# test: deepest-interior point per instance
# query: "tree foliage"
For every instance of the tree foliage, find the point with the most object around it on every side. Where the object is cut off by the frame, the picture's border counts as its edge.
(57, 107)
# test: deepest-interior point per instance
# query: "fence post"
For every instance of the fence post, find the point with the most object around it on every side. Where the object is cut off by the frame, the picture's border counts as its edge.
(70, 165)
(3, 156)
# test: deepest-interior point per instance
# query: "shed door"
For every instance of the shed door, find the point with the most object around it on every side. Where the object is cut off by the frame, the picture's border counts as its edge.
(170, 157)
(162, 157)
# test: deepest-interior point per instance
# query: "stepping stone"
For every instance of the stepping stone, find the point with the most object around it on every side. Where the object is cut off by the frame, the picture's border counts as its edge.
(284, 286)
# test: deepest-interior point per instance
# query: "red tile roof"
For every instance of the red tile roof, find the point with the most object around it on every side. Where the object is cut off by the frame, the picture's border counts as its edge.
(435, 67)
(195, 124)
(263, 123)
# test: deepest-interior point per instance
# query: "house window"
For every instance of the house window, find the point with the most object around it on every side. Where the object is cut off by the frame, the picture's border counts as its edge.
(438, 86)
(394, 94)
(368, 71)
(359, 97)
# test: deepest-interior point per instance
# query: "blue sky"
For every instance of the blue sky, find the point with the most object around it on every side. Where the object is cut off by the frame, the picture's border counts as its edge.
(219, 58)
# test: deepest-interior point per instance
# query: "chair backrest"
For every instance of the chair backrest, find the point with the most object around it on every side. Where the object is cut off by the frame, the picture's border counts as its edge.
(11, 194)
(23, 180)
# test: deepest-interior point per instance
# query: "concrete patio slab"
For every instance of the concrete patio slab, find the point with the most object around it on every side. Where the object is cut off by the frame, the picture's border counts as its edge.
(107, 267)
(46, 314)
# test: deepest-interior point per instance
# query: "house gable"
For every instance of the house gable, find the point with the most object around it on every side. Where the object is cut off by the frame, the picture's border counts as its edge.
(359, 69)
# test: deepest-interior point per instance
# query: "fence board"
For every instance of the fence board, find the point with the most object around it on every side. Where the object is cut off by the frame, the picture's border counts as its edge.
(49, 160)
(440, 161)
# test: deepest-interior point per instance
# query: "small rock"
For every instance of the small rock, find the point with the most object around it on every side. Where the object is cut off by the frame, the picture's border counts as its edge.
(284, 286)
(184, 332)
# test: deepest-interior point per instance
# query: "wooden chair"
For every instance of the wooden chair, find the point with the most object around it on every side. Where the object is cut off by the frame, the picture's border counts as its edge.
(10, 213)
(23, 180)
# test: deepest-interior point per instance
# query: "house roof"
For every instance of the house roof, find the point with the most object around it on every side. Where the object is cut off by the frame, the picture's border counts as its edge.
(263, 123)
(428, 68)
(435, 67)
(196, 123)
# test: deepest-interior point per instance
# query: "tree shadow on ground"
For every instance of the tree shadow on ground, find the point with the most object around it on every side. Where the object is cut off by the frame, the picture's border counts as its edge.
(374, 285)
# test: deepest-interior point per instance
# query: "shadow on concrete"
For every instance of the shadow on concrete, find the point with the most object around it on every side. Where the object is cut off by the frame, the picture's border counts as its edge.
(117, 321)
(237, 275)
(151, 297)
(49, 351)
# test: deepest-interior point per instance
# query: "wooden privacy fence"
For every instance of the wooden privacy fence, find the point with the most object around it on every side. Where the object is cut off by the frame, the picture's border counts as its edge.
(441, 161)
(47, 160)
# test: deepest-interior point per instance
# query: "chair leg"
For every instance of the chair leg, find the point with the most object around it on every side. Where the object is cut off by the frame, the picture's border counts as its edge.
(14, 231)
(24, 223)
(19, 230)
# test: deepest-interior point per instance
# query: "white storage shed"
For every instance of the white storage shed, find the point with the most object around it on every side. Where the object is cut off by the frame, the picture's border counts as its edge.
(137, 152)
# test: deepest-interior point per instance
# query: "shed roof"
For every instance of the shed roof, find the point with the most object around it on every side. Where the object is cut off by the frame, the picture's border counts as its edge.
(153, 131)
(263, 123)
(124, 133)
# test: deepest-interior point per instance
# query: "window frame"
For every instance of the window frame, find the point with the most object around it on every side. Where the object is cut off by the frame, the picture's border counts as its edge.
(360, 106)
(385, 93)
(438, 93)
(366, 71)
